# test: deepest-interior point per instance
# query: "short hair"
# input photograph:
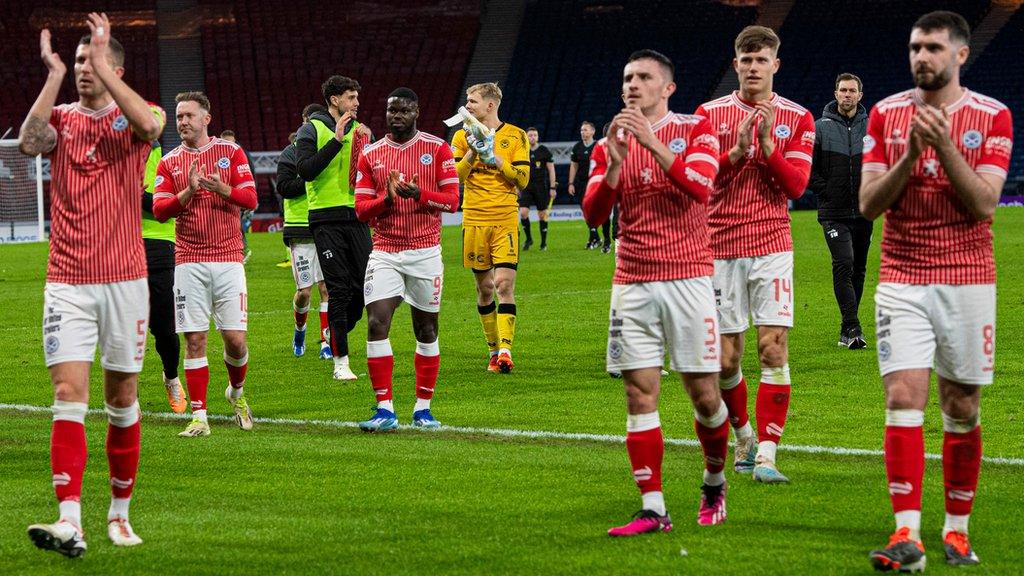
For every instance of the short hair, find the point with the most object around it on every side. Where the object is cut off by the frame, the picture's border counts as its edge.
(648, 54)
(604, 130)
(228, 134)
(848, 76)
(116, 49)
(757, 38)
(588, 123)
(533, 129)
(957, 26)
(487, 90)
(404, 93)
(194, 96)
(312, 109)
(337, 85)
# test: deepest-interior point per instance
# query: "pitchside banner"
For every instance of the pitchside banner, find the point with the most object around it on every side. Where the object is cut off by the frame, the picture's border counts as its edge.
(273, 223)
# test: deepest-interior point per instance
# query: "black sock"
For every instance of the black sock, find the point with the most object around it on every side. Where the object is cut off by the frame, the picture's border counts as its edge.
(543, 231)
(526, 228)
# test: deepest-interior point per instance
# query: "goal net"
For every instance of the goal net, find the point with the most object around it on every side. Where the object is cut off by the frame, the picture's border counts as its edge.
(21, 195)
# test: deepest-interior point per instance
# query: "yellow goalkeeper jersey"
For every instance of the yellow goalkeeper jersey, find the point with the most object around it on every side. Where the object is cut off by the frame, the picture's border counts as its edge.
(491, 196)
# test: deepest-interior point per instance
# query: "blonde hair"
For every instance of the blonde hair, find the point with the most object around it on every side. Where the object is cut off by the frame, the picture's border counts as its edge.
(487, 90)
(756, 38)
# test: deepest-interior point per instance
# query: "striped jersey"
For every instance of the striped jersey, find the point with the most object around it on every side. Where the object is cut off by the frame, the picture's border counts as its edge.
(490, 198)
(929, 237)
(749, 209)
(663, 229)
(97, 168)
(208, 228)
(407, 224)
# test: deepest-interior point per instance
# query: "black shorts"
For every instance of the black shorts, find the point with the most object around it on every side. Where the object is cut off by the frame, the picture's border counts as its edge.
(535, 197)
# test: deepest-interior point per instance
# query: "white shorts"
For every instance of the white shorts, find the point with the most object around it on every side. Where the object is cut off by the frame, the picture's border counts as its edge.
(415, 275)
(77, 317)
(204, 287)
(761, 287)
(646, 318)
(949, 328)
(305, 263)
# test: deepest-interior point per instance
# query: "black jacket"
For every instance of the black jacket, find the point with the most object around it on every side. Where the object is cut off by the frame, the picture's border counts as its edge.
(835, 173)
(289, 185)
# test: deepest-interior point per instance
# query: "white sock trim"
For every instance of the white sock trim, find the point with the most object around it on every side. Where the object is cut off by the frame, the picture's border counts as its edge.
(716, 419)
(340, 361)
(379, 348)
(960, 426)
(773, 375)
(955, 523)
(430, 349)
(323, 306)
(904, 418)
(236, 362)
(654, 501)
(118, 508)
(730, 382)
(123, 417)
(70, 411)
(643, 422)
(193, 363)
(303, 310)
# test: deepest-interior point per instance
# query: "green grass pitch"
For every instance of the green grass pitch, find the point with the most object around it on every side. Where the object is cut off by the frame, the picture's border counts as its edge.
(302, 497)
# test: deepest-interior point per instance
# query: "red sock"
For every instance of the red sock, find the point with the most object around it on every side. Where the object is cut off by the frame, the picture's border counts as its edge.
(715, 444)
(736, 401)
(324, 326)
(904, 465)
(381, 369)
(236, 374)
(646, 450)
(427, 368)
(196, 380)
(961, 465)
(771, 408)
(123, 457)
(68, 454)
(300, 318)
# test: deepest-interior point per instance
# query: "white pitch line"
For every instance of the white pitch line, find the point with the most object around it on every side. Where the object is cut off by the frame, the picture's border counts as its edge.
(509, 433)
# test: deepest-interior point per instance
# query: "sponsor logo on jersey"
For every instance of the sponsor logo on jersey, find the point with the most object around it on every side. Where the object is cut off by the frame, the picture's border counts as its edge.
(504, 143)
(999, 145)
(614, 350)
(807, 138)
(694, 176)
(304, 277)
(931, 168)
(647, 175)
(869, 144)
(884, 351)
(243, 169)
(972, 139)
(224, 163)
(448, 164)
(359, 176)
(724, 129)
(896, 138)
(52, 344)
(159, 180)
(120, 123)
(707, 140)
(783, 131)
(677, 146)
(426, 159)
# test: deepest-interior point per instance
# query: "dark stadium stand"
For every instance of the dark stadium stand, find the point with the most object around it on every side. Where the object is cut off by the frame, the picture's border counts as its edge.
(865, 37)
(997, 73)
(568, 62)
(23, 73)
(275, 56)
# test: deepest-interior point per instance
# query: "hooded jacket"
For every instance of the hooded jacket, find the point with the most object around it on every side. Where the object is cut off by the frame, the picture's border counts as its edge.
(835, 173)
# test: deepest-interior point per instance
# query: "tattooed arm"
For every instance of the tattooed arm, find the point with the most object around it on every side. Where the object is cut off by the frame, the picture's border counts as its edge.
(37, 136)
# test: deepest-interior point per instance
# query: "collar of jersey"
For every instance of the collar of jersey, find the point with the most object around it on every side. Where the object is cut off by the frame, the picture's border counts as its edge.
(744, 105)
(96, 113)
(393, 144)
(916, 97)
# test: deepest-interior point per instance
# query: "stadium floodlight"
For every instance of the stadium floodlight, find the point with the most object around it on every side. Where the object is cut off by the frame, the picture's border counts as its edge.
(21, 195)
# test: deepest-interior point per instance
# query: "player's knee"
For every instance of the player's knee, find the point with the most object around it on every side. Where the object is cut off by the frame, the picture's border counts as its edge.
(640, 401)
(377, 325)
(195, 346)
(425, 333)
(234, 344)
(771, 349)
(505, 288)
(706, 400)
(302, 296)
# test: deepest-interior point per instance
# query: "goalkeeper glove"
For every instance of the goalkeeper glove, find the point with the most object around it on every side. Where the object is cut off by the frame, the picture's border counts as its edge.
(484, 148)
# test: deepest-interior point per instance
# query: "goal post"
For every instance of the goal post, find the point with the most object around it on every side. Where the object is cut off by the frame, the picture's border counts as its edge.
(22, 217)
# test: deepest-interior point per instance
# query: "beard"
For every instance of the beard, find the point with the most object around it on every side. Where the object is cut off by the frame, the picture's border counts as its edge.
(938, 80)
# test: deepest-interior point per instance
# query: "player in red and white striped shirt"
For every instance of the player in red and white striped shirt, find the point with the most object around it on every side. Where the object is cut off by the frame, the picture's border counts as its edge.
(660, 168)
(405, 181)
(935, 161)
(205, 182)
(767, 145)
(96, 290)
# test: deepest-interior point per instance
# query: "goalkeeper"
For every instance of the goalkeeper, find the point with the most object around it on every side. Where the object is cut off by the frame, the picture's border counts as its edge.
(493, 161)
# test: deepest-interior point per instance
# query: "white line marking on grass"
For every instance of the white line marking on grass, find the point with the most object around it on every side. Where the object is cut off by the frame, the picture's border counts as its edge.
(509, 433)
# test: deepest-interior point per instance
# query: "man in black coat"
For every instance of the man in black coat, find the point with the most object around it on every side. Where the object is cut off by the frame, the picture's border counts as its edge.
(835, 180)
